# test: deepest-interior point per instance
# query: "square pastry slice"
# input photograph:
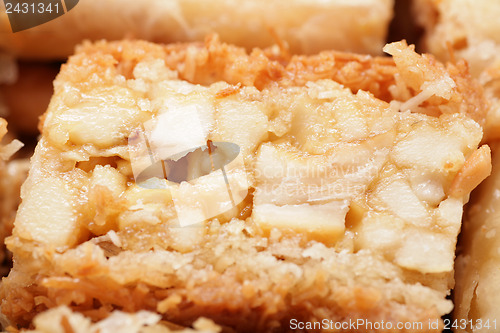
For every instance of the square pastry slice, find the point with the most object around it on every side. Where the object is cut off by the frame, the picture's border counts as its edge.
(259, 191)
(304, 27)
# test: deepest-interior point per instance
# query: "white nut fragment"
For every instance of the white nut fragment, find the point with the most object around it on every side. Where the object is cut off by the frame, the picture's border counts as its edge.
(475, 170)
(109, 177)
(243, 123)
(102, 117)
(382, 233)
(428, 148)
(426, 252)
(209, 196)
(324, 222)
(51, 217)
(450, 214)
(399, 198)
(427, 187)
(178, 130)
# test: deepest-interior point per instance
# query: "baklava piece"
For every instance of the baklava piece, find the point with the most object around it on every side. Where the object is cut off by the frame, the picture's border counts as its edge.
(255, 190)
(304, 27)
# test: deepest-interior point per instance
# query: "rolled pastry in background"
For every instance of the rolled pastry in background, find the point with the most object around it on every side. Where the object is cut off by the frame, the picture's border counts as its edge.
(305, 26)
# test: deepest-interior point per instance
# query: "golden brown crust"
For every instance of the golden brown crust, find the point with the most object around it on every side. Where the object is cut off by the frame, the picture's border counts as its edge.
(446, 87)
(206, 63)
(244, 304)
